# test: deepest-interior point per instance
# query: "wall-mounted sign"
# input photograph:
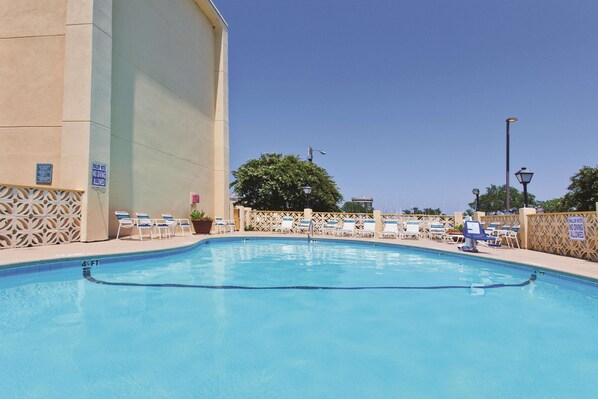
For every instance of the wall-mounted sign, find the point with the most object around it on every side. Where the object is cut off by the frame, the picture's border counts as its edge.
(576, 228)
(99, 174)
(43, 173)
(194, 198)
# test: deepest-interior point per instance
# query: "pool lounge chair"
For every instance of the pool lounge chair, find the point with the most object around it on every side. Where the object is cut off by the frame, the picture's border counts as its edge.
(144, 223)
(348, 228)
(511, 237)
(125, 221)
(390, 229)
(411, 230)
(286, 226)
(232, 226)
(369, 228)
(158, 224)
(221, 225)
(330, 227)
(303, 226)
(437, 230)
(491, 227)
(174, 223)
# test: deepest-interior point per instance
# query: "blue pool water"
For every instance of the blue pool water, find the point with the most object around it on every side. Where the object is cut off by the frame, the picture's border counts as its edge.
(62, 335)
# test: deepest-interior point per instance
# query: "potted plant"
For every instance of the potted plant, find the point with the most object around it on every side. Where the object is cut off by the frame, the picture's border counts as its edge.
(202, 224)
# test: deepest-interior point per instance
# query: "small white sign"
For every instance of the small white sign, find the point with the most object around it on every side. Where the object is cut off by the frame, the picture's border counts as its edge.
(99, 174)
(576, 228)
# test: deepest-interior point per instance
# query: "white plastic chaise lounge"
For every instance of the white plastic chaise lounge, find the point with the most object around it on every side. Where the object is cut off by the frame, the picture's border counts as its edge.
(142, 224)
(437, 230)
(160, 225)
(232, 226)
(221, 225)
(303, 226)
(411, 230)
(125, 221)
(286, 226)
(174, 223)
(330, 227)
(348, 228)
(390, 229)
(369, 228)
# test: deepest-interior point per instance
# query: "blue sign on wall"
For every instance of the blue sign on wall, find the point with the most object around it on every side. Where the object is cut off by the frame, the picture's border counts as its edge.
(99, 174)
(43, 173)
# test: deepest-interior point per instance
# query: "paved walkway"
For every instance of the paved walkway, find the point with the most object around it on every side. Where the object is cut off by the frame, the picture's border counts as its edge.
(54, 252)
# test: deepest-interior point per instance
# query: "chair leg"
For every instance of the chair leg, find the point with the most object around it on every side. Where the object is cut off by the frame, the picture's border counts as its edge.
(118, 232)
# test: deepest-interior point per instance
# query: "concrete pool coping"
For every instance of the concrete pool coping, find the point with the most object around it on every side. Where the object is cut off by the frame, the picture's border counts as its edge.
(15, 256)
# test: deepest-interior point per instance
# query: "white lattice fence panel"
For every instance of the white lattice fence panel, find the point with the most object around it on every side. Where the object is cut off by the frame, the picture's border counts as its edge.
(508, 220)
(549, 232)
(269, 220)
(33, 216)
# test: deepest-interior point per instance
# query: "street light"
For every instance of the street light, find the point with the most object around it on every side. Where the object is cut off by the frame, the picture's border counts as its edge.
(524, 176)
(310, 153)
(307, 191)
(476, 192)
(508, 200)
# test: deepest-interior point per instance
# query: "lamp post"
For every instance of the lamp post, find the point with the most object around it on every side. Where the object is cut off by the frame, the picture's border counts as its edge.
(310, 153)
(508, 199)
(476, 192)
(524, 176)
(307, 191)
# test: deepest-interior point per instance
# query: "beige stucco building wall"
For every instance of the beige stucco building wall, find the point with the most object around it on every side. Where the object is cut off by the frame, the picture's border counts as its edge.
(139, 85)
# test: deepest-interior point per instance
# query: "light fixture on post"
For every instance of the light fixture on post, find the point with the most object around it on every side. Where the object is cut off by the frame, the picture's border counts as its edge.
(524, 176)
(508, 191)
(307, 191)
(310, 153)
(476, 192)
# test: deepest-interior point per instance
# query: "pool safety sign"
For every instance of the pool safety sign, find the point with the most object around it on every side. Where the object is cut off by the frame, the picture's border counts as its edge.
(576, 228)
(99, 174)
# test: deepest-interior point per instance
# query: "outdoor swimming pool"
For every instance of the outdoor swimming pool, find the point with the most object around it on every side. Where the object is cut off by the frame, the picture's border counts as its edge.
(192, 324)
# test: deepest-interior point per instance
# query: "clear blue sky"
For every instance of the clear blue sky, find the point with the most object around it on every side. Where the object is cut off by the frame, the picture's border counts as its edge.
(409, 98)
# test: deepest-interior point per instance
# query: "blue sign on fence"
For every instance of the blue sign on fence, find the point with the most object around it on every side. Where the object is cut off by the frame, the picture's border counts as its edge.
(43, 173)
(99, 174)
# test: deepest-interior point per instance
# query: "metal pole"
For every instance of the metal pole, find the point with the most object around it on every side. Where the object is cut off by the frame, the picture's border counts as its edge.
(525, 194)
(477, 202)
(508, 199)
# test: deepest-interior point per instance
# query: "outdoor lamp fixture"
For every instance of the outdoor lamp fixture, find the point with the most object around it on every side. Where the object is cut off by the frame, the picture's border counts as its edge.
(310, 153)
(508, 191)
(524, 176)
(307, 191)
(476, 192)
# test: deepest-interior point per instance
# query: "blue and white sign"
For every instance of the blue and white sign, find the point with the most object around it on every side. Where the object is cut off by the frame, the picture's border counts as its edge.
(43, 173)
(576, 228)
(99, 174)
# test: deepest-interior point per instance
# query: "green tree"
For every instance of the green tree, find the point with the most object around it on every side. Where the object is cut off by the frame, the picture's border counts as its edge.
(554, 205)
(275, 182)
(355, 207)
(583, 190)
(426, 211)
(493, 200)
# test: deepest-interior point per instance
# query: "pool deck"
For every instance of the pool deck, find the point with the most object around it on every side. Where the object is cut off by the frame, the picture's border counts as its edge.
(76, 250)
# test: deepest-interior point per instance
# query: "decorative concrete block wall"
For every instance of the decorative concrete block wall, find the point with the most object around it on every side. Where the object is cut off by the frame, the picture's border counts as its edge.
(33, 216)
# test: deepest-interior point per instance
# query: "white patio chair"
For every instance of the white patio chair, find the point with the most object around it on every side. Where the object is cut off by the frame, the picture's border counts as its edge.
(330, 227)
(390, 229)
(369, 228)
(221, 225)
(512, 236)
(174, 223)
(286, 226)
(348, 228)
(437, 230)
(124, 221)
(144, 223)
(303, 226)
(232, 226)
(411, 230)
